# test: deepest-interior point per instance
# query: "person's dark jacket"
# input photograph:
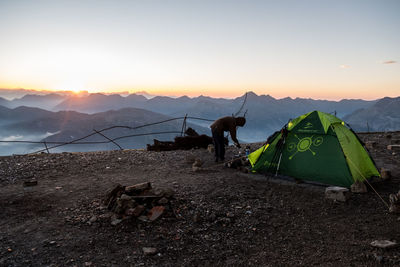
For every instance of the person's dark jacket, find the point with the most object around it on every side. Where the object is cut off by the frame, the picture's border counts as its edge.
(228, 124)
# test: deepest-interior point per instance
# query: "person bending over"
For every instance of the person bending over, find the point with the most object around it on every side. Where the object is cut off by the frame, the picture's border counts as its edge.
(218, 128)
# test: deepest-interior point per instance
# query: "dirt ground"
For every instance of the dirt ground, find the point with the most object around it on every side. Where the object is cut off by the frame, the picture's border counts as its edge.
(220, 216)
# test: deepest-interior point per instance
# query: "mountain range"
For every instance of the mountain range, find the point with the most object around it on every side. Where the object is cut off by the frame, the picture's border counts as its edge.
(64, 117)
(384, 115)
(26, 123)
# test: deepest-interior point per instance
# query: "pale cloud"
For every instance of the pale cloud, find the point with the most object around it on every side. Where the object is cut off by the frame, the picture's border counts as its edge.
(389, 62)
(12, 138)
(344, 66)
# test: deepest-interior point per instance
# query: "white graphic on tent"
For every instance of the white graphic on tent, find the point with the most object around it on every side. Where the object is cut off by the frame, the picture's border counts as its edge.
(304, 145)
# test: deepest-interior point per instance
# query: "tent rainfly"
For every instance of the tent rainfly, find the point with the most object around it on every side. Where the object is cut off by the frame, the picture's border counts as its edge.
(315, 147)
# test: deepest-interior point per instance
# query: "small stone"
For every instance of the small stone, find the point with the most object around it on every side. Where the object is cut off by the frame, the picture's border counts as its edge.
(337, 193)
(386, 174)
(135, 211)
(147, 251)
(393, 198)
(88, 263)
(197, 163)
(158, 192)
(163, 201)
(383, 244)
(197, 169)
(143, 218)
(370, 144)
(115, 222)
(230, 215)
(358, 187)
(168, 192)
(93, 219)
(125, 197)
(210, 149)
(155, 213)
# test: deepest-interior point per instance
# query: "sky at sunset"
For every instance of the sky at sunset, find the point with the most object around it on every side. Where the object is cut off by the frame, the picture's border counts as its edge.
(300, 48)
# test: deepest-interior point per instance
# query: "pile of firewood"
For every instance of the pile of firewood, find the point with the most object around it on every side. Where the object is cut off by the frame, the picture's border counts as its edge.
(191, 140)
(140, 201)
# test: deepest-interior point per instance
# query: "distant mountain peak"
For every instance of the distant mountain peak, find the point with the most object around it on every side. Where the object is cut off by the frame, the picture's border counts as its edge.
(145, 94)
(251, 94)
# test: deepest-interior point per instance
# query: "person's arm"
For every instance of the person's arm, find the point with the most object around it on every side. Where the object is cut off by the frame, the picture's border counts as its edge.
(232, 131)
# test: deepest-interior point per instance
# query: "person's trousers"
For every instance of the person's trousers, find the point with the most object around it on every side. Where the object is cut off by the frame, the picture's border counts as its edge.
(219, 145)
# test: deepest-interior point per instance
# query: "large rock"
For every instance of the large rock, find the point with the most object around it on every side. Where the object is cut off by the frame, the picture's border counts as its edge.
(337, 193)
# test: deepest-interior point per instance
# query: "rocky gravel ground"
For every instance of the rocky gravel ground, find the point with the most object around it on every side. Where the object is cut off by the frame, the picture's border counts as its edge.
(218, 216)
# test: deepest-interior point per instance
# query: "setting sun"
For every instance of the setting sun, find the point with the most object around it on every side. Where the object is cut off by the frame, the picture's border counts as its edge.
(73, 86)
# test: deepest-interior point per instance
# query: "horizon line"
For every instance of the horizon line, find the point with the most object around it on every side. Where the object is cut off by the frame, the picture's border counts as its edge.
(149, 95)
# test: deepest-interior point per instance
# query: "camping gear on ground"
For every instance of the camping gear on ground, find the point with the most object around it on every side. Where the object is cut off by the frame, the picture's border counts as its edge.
(315, 147)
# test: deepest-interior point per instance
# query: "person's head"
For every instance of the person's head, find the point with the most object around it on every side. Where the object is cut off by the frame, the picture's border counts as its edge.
(240, 121)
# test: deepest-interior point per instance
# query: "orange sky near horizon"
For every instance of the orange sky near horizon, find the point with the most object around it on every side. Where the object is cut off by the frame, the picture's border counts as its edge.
(277, 93)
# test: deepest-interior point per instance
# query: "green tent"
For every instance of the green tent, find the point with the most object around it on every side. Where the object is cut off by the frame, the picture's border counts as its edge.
(315, 147)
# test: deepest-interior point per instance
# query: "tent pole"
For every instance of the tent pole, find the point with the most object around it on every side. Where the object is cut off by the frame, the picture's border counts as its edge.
(280, 156)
